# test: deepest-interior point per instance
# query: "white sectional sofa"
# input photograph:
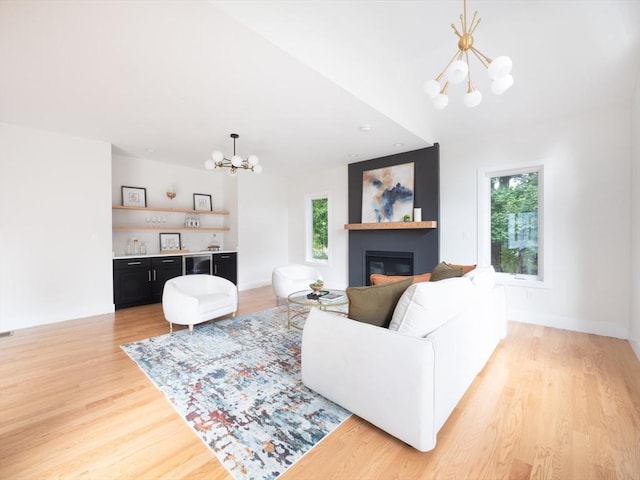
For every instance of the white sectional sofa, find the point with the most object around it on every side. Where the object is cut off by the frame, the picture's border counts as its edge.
(408, 378)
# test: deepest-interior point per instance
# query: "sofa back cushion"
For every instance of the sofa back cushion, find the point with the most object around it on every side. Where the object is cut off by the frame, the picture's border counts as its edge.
(376, 304)
(423, 307)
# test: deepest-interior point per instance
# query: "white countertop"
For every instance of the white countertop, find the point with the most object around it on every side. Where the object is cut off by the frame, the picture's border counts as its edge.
(182, 254)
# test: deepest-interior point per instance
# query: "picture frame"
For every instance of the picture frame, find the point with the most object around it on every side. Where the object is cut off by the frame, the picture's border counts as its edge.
(202, 202)
(169, 242)
(134, 196)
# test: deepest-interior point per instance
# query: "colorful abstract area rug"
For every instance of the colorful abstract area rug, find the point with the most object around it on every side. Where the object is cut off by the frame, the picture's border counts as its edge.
(237, 383)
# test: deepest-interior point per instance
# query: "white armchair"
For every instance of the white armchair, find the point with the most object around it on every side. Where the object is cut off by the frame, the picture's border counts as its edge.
(287, 279)
(193, 299)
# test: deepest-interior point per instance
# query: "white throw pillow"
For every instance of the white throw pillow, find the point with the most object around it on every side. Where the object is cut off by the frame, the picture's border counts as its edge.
(424, 306)
(483, 277)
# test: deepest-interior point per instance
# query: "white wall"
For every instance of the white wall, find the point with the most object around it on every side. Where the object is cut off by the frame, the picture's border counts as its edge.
(262, 228)
(55, 227)
(334, 183)
(587, 165)
(158, 178)
(634, 323)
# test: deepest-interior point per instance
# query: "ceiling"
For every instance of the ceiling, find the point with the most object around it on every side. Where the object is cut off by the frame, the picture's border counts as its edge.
(297, 79)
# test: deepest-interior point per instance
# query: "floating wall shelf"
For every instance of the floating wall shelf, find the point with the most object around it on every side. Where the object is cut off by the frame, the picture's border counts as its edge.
(391, 225)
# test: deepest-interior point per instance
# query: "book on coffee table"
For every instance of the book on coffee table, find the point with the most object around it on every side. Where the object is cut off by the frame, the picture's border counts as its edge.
(332, 297)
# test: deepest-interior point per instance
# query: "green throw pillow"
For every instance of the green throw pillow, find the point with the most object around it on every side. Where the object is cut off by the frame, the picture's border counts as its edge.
(443, 270)
(375, 304)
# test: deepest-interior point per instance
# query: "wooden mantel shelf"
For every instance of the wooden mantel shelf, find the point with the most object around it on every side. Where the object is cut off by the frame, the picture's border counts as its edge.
(391, 225)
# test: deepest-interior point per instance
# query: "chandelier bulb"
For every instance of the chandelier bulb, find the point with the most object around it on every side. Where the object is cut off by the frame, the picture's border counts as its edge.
(236, 161)
(233, 171)
(440, 101)
(253, 160)
(209, 164)
(502, 84)
(499, 67)
(458, 71)
(257, 168)
(431, 88)
(217, 156)
(472, 99)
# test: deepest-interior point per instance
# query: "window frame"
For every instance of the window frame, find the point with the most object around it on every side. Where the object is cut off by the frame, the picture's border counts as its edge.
(543, 279)
(309, 198)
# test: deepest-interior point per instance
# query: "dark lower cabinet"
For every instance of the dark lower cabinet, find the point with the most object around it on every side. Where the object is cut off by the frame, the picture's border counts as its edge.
(138, 281)
(226, 265)
(163, 268)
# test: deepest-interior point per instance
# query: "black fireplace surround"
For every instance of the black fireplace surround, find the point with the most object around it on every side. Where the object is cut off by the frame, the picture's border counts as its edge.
(421, 244)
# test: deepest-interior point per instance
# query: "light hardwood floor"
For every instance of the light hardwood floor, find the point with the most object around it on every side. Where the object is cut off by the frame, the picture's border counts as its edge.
(549, 404)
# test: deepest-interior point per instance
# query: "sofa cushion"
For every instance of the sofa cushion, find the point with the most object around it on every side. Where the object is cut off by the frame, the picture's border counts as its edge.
(379, 278)
(465, 268)
(376, 304)
(483, 277)
(443, 271)
(423, 307)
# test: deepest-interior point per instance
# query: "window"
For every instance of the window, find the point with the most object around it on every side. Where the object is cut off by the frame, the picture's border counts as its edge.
(511, 235)
(318, 228)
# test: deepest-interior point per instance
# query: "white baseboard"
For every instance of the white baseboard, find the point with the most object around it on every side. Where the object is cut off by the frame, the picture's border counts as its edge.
(567, 323)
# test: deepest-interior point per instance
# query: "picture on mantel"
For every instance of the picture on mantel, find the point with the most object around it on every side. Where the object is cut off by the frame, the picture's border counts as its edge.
(387, 193)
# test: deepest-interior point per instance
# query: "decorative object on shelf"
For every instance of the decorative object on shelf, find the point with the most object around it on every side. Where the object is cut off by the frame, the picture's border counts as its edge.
(172, 192)
(387, 193)
(169, 241)
(407, 218)
(218, 160)
(134, 196)
(417, 214)
(458, 68)
(202, 201)
(192, 220)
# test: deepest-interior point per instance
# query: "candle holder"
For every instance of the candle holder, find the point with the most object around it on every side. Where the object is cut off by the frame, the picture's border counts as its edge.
(171, 195)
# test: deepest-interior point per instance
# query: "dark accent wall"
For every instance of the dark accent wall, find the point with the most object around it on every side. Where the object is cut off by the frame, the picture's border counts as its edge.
(423, 243)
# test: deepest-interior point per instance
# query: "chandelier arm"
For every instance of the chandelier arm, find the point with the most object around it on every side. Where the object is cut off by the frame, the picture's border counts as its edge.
(469, 84)
(473, 27)
(455, 30)
(464, 23)
(484, 60)
(453, 59)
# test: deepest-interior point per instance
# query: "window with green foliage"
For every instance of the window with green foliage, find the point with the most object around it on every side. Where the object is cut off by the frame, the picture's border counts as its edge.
(318, 228)
(514, 200)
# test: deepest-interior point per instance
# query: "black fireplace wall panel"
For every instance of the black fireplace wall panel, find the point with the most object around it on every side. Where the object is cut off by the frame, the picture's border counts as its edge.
(424, 243)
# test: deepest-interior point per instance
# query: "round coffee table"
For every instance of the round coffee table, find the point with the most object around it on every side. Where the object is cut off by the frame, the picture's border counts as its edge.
(300, 298)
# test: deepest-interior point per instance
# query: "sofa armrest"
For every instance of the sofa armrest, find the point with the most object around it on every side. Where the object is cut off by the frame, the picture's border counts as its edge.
(382, 376)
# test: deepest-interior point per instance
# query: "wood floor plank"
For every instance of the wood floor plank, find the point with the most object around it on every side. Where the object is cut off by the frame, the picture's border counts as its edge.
(550, 404)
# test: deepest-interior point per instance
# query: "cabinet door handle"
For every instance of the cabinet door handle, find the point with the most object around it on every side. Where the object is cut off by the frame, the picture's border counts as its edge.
(134, 263)
(149, 275)
(154, 275)
(225, 256)
(215, 269)
(168, 261)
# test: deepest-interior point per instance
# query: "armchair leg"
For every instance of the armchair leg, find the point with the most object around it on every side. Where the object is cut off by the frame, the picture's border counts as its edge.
(191, 328)
(170, 327)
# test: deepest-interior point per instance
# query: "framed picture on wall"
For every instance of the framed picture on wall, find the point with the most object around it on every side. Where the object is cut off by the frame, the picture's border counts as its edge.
(387, 193)
(134, 196)
(169, 241)
(202, 201)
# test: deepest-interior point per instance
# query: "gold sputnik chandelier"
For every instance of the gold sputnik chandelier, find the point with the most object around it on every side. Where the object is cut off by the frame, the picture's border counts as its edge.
(457, 70)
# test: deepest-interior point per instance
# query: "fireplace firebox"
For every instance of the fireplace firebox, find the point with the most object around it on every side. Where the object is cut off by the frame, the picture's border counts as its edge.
(388, 263)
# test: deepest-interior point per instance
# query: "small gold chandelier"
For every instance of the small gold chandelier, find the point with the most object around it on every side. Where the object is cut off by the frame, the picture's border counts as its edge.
(499, 69)
(235, 163)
